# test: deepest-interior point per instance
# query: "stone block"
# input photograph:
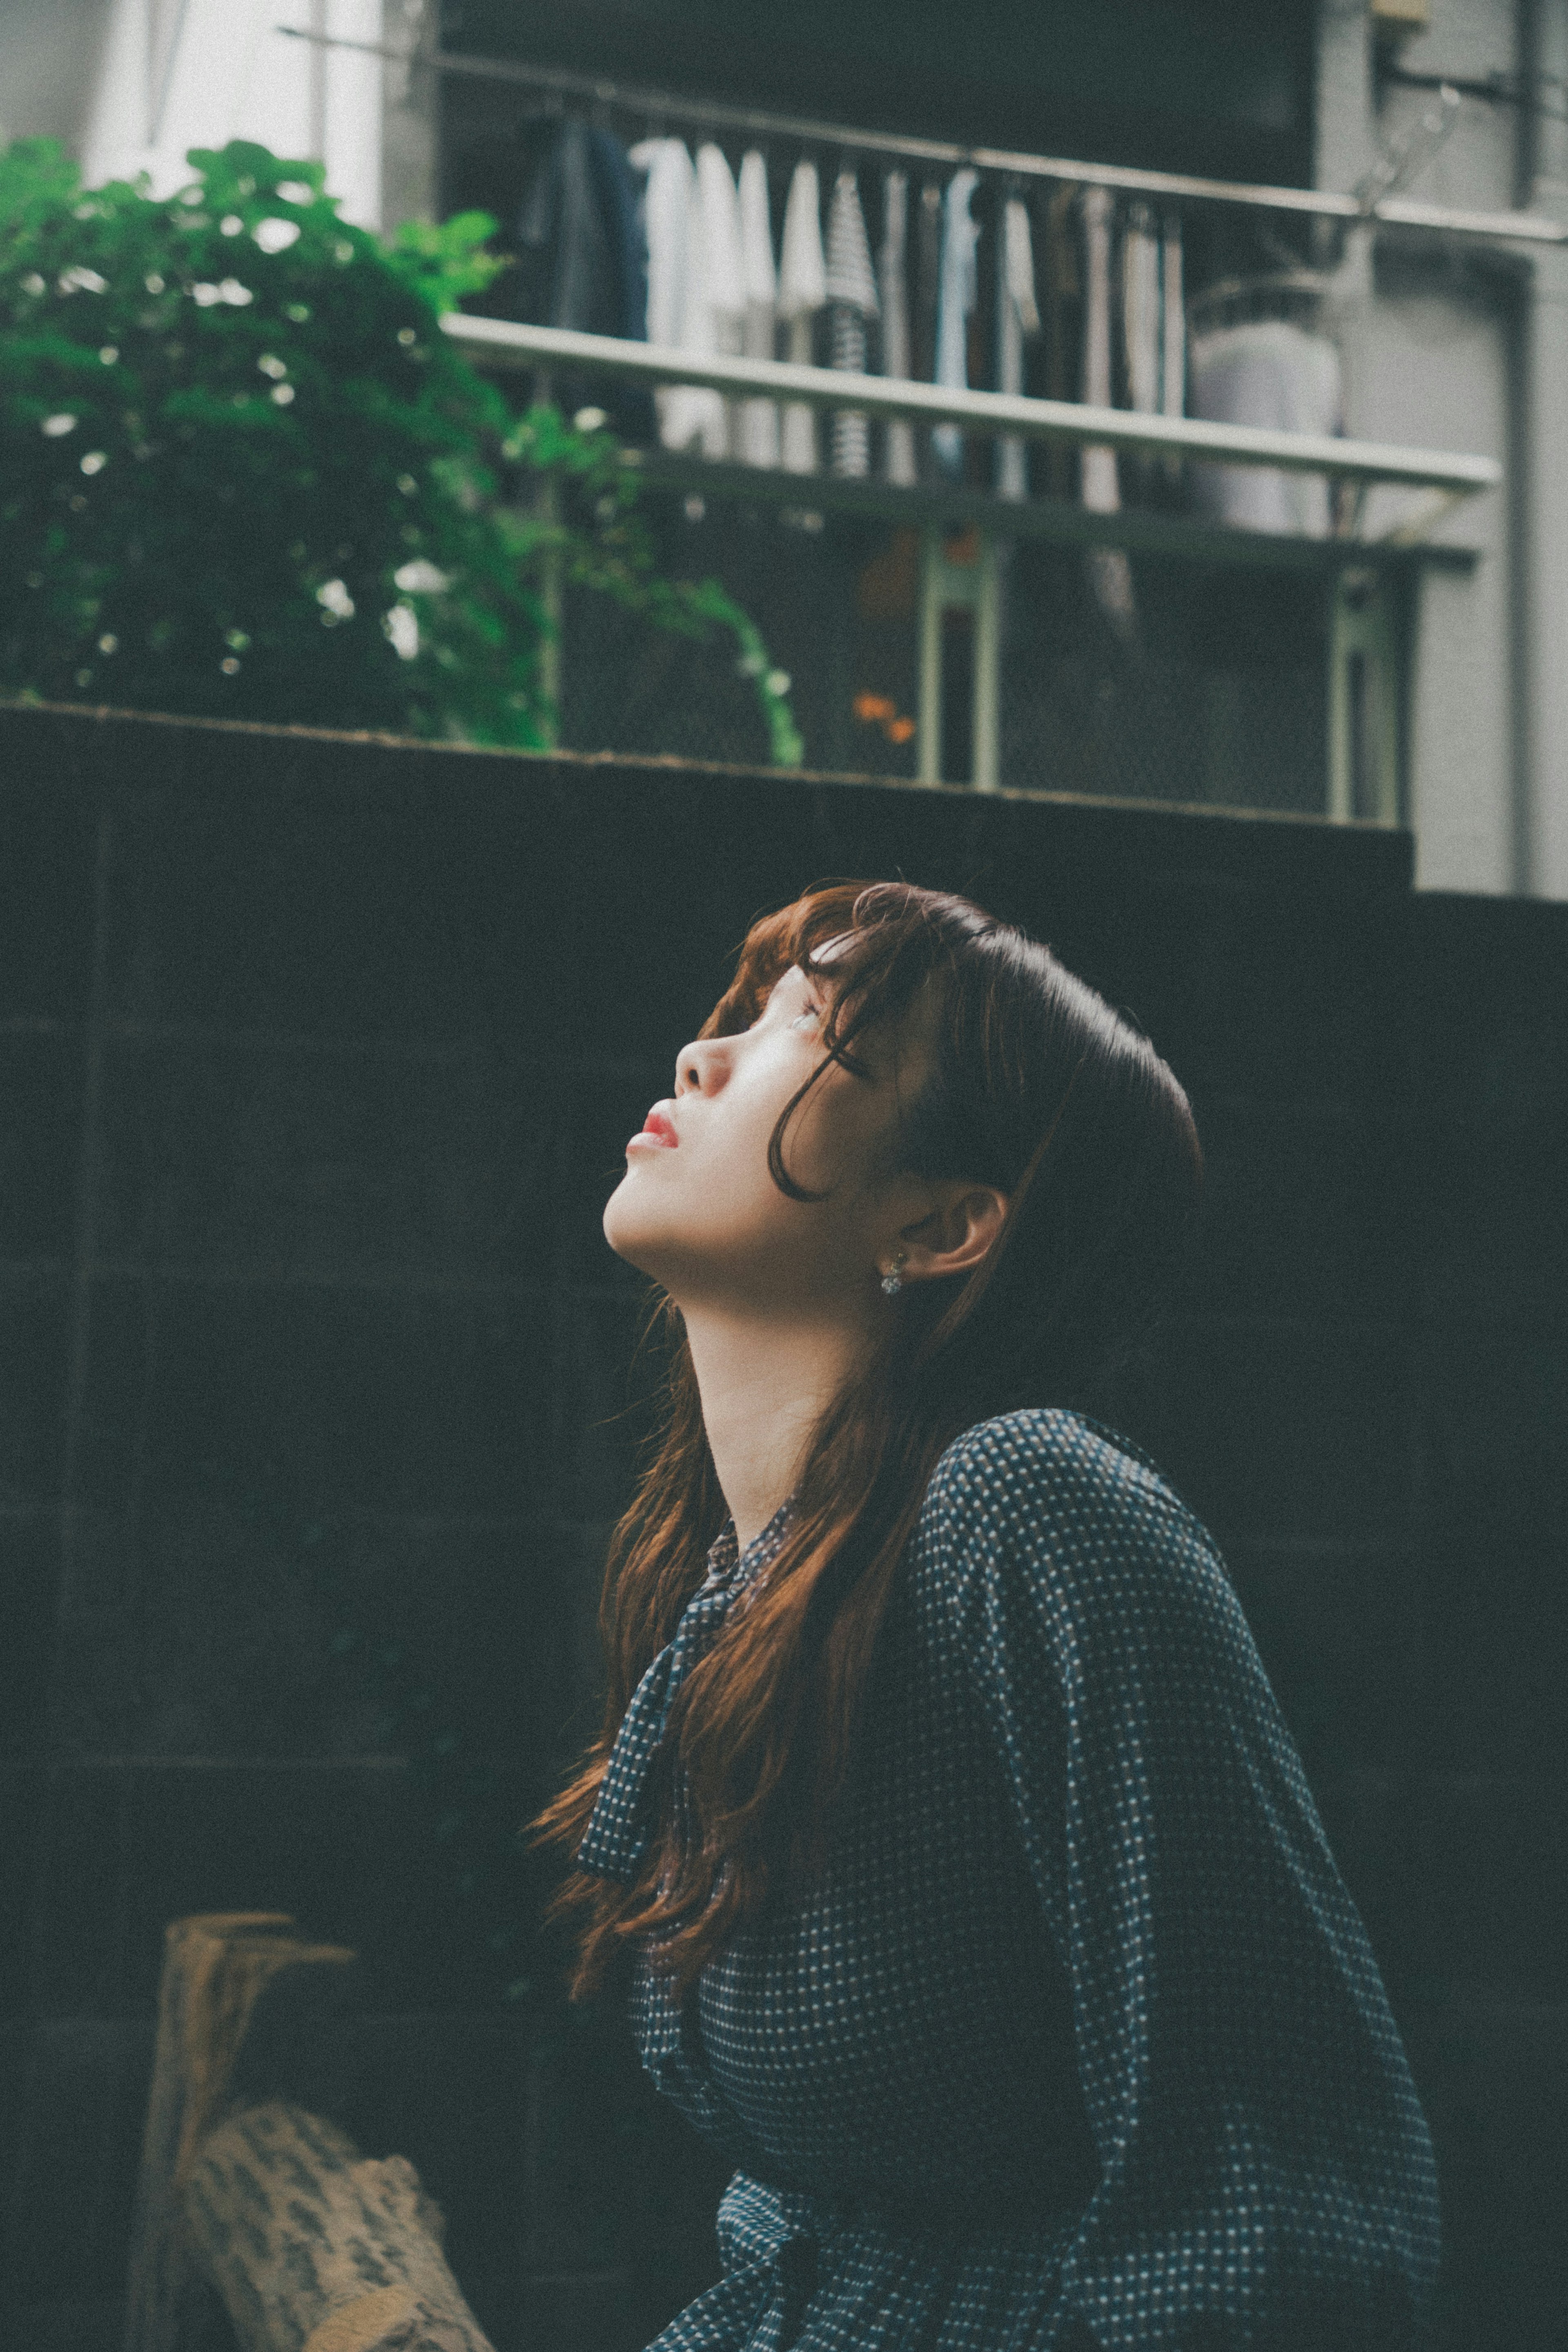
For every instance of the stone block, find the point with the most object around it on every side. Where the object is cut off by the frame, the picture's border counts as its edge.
(83, 2094)
(307, 1160)
(1367, 1818)
(1493, 2080)
(67, 2325)
(394, 1399)
(1305, 1214)
(1289, 1430)
(1490, 998)
(117, 1384)
(337, 1639)
(76, 1942)
(49, 816)
(1334, 1628)
(34, 1312)
(40, 1141)
(609, 1100)
(1494, 1502)
(1492, 1234)
(22, 1813)
(607, 1388)
(417, 1879)
(29, 1610)
(1494, 1858)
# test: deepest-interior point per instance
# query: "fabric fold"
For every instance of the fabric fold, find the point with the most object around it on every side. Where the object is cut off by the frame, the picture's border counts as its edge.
(850, 283)
(759, 418)
(667, 210)
(1109, 574)
(713, 307)
(620, 1823)
(802, 291)
(1172, 337)
(1017, 316)
(894, 288)
(956, 295)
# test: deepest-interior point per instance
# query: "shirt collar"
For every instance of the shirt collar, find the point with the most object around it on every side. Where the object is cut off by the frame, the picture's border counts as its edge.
(726, 1560)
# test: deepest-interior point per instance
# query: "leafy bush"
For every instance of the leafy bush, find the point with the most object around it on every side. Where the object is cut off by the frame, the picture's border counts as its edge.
(242, 472)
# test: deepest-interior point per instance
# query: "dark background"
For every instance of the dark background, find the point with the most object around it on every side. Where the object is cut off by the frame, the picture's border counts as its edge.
(317, 1056)
(1220, 87)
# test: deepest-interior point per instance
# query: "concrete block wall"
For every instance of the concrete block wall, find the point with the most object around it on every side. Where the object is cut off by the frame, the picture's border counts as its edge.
(317, 1056)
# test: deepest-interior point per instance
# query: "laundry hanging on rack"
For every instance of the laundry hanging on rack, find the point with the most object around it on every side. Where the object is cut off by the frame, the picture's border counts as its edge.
(759, 418)
(1017, 316)
(666, 213)
(851, 286)
(1059, 321)
(582, 257)
(1140, 339)
(1274, 374)
(956, 295)
(892, 287)
(1173, 355)
(1102, 491)
(802, 291)
(711, 306)
(1110, 575)
(579, 245)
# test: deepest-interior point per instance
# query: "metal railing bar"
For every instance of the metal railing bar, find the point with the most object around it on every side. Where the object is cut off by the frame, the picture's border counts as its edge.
(1316, 202)
(508, 342)
(1142, 530)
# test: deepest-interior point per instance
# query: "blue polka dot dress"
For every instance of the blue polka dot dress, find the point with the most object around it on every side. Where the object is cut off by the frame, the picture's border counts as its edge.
(1077, 2041)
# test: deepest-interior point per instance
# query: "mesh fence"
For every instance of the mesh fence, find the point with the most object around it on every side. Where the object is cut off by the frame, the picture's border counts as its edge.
(1143, 677)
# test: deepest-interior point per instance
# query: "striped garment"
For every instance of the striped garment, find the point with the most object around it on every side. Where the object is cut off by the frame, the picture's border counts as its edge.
(1078, 2039)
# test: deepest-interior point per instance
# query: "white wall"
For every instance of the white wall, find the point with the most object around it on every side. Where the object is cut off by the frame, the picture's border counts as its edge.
(232, 75)
(1466, 348)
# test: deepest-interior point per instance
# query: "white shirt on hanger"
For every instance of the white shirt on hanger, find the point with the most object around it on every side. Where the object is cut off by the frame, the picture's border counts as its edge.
(802, 291)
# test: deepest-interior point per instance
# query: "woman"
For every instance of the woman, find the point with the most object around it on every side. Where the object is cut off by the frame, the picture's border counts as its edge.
(977, 1907)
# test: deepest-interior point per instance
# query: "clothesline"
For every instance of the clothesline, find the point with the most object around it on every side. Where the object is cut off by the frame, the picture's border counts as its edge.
(649, 244)
(657, 107)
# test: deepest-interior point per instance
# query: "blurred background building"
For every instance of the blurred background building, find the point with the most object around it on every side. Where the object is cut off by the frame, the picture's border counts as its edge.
(1243, 659)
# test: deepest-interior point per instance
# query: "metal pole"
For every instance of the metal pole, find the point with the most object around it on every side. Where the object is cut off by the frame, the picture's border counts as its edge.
(509, 342)
(1364, 701)
(985, 725)
(670, 106)
(928, 734)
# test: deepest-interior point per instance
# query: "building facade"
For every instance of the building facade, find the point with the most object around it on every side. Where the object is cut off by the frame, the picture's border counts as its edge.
(1451, 341)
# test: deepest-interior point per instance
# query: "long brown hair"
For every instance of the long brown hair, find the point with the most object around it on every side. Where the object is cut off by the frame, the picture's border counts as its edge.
(1035, 1085)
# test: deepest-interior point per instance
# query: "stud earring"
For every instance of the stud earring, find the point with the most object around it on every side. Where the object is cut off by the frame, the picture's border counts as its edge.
(891, 1283)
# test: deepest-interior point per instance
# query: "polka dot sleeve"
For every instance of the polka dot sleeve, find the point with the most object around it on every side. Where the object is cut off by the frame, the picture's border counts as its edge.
(1265, 2176)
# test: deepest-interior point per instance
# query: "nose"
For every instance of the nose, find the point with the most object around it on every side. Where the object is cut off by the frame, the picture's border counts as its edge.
(700, 1066)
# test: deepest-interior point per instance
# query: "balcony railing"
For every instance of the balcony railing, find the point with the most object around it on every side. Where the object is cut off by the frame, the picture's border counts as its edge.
(967, 533)
(1363, 683)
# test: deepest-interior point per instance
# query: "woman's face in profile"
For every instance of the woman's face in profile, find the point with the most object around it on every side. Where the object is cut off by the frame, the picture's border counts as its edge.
(697, 1209)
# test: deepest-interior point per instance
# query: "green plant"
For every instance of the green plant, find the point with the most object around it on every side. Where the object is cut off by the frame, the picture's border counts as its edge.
(242, 472)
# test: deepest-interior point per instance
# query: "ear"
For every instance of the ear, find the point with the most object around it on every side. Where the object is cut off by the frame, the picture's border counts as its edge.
(957, 1234)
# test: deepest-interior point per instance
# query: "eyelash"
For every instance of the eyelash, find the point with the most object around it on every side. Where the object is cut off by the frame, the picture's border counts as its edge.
(811, 1012)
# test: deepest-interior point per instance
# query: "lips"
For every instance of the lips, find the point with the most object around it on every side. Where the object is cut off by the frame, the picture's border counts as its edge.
(657, 1132)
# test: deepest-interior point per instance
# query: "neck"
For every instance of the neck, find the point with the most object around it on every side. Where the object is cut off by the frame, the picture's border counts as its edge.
(764, 1382)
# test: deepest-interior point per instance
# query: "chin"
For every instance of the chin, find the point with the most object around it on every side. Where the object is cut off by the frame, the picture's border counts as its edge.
(625, 1231)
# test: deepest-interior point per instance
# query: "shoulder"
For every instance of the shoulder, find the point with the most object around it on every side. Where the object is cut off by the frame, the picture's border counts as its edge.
(1055, 1503)
(1043, 1458)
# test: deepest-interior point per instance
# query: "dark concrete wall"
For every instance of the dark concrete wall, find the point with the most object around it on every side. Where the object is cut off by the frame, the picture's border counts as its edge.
(317, 1056)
